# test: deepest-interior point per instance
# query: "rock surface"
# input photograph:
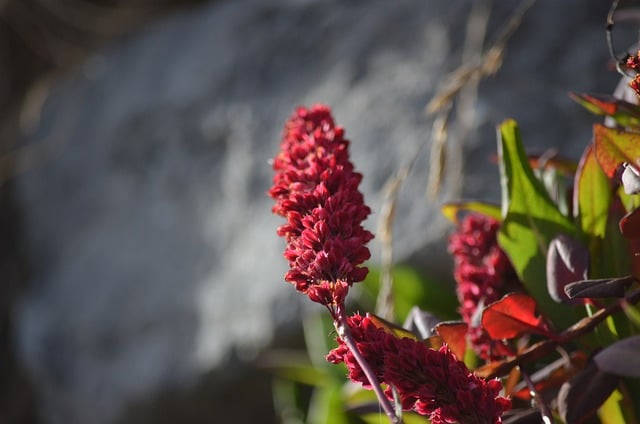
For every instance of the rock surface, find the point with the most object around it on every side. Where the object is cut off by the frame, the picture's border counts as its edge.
(153, 250)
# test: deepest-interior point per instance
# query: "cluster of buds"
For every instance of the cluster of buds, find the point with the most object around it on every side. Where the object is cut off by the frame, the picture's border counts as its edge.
(483, 274)
(316, 190)
(633, 62)
(428, 381)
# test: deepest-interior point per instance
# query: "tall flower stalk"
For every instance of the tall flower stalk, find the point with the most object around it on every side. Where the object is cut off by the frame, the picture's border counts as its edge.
(316, 190)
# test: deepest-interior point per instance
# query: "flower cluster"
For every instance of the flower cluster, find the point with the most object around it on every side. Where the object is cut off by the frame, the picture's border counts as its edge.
(483, 274)
(316, 190)
(430, 382)
(633, 62)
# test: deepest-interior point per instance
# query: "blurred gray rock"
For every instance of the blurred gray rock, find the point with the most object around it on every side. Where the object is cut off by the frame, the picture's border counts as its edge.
(154, 255)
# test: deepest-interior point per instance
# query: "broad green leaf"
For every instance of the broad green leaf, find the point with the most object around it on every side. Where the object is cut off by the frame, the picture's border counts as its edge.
(453, 209)
(613, 147)
(531, 221)
(624, 113)
(592, 198)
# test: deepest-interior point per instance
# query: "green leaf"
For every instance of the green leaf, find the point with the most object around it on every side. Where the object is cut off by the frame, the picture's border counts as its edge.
(614, 409)
(453, 209)
(531, 221)
(592, 197)
(614, 258)
(624, 113)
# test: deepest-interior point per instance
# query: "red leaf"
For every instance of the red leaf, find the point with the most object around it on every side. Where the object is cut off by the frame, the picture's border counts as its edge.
(454, 334)
(624, 113)
(614, 147)
(512, 316)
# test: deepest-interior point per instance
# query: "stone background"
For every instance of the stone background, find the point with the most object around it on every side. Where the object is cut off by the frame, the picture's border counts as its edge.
(148, 272)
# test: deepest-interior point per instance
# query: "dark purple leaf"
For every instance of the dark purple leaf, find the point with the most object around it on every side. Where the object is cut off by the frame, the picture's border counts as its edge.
(581, 396)
(600, 288)
(621, 358)
(567, 262)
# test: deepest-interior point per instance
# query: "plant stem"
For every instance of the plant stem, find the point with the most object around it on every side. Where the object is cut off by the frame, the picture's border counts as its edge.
(340, 323)
(545, 411)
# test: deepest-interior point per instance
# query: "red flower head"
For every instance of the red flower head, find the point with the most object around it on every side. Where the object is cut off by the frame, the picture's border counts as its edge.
(316, 190)
(633, 62)
(430, 382)
(635, 84)
(483, 273)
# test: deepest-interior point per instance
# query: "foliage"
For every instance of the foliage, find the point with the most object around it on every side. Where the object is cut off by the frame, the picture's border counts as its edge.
(546, 322)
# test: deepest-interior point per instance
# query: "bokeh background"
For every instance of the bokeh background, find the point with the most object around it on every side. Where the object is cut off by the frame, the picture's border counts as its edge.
(141, 273)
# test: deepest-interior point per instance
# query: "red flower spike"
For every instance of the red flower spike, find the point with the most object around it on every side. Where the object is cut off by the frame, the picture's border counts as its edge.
(483, 273)
(635, 84)
(316, 190)
(430, 382)
(633, 62)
